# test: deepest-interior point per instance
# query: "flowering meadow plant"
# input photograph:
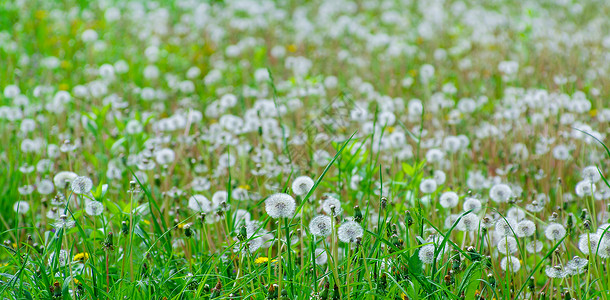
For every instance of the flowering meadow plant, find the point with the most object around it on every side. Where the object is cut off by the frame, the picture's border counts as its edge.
(393, 149)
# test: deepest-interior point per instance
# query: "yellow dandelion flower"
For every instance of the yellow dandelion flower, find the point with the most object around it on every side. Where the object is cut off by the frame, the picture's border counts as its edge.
(180, 226)
(291, 48)
(81, 256)
(64, 87)
(146, 222)
(245, 187)
(261, 260)
(390, 129)
(593, 112)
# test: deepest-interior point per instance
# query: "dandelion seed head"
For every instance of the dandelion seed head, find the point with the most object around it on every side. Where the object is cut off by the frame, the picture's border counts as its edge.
(510, 264)
(200, 203)
(426, 254)
(505, 226)
(534, 246)
(350, 231)
(449, 199)
(588, 241)
(472, 204)
(62, 258)
(500, 193)
(576, 265)
(507, 245)
(428, 186)
(81, 185)
(591, 174)
(94, 208)
(554, 231)
(585, 188)
(280, 205)
(469, 222)
(515, 213)
(329, 203)
(165, 156)
(21, 207)
(301, 185)
(320, 256)
(321, 226)
(555, 271)
(62, 179)
(525, 228)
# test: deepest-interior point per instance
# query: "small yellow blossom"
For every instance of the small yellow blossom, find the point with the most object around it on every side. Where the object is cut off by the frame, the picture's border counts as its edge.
(390, 129)
(245, 187)
(593, 112)
(261, 260)
(292, 48)
(81, 256)
(64, 87)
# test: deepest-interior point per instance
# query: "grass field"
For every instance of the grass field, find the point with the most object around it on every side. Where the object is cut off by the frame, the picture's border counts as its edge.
(394, 149)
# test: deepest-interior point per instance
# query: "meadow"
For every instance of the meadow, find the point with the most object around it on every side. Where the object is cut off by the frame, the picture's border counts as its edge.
(259, 149)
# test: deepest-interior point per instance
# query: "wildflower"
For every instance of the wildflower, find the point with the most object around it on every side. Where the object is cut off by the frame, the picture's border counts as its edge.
(561, 152)
(280, 205)
(469, 222)
(555, 271)
(94, 208)
(525, 228)
(165, 156)
(588, 241)
(81, 256)
(510, 263)
(585, 188)
(321, 226)
(428, 186)
(301, 185)
(21, 207)
(439, 176)
(515, 213)
(472, 204)
(321, 257)
(500, 193)
(45, 187)
(332, 206)
(62, 258)
(200, 203)
(603, 248)
(505, 226)
(261, 260)
(449, 199)
(576, 265)
(218, 198)
(534, 246)
(350, 231)
(81, 185)
(62, 179)
(507, 245)
(591, 174)
(426, 254)
(554, 231)
(64, 223)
